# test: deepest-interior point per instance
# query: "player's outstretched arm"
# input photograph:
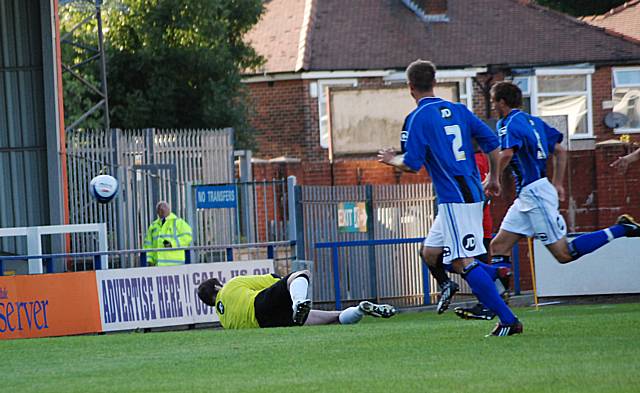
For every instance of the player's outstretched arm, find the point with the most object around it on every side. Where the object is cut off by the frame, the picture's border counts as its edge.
(388, 156)
(492, 181)
(622, 163)
(559, 169)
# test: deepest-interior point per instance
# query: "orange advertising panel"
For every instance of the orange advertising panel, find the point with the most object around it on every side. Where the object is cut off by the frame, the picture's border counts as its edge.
(49, 305)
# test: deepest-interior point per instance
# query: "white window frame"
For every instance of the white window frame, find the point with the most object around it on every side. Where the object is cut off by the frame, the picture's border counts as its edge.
(575, 71)
(534, 94)
(463, 77)
(467, 83)
(615, 84)
(531, 84)
(322, 100)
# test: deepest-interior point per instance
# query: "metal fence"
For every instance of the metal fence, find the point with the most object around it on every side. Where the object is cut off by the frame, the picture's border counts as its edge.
(151, 165)
(390, 272)
(280, 252)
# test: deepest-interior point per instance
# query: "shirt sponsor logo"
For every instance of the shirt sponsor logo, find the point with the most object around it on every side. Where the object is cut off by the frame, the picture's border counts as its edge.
(445, 113)
(469, 242)
(220, 308)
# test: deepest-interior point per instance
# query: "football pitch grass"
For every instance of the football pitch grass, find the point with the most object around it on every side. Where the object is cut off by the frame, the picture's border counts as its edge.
(586, 348)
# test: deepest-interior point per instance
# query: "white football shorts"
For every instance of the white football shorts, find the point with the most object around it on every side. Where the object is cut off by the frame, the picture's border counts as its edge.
(458, 230)
(535, 213)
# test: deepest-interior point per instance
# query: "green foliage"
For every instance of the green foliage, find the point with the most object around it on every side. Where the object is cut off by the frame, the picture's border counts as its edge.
(581, 7)
(590, 348)
(178, 63)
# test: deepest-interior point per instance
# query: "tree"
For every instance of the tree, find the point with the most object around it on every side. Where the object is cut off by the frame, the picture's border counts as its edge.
(178, 63)
(581, 7)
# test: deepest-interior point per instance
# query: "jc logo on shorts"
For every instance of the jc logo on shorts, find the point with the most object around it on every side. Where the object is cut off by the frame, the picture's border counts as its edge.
(469, 242)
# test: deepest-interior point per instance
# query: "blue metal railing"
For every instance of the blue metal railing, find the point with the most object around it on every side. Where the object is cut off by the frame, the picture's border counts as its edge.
(335, 261)
(96, 256)
(358, 243)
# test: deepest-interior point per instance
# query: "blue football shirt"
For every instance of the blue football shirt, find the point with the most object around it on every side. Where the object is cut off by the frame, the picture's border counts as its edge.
(532, 140)
(404, 134)
(439, 136)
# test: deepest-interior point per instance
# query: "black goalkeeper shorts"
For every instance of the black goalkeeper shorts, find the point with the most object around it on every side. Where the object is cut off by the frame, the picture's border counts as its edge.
(273, 305)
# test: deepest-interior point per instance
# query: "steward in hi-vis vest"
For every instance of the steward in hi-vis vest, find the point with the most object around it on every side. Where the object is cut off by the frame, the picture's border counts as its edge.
(168, 231)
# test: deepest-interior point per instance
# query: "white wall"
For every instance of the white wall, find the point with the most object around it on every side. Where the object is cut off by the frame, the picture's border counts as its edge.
(612, 269)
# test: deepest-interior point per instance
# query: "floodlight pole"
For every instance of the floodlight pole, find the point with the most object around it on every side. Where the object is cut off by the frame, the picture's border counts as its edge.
(103, 67)
(102, 92)
(99, 55)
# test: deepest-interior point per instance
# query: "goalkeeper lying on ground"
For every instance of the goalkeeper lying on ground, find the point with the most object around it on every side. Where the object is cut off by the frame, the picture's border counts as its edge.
(270, 301)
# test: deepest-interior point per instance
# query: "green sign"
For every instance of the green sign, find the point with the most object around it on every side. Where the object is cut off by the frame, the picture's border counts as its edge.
(352, 217)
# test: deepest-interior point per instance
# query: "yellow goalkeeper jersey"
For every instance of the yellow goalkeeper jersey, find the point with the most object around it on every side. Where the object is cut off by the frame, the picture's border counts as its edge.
(234, 303)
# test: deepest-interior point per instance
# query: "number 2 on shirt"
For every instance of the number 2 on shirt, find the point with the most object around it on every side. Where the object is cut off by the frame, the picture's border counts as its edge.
(456, 144)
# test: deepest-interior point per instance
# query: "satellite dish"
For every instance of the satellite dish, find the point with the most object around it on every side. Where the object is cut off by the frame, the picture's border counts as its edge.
(615, 119)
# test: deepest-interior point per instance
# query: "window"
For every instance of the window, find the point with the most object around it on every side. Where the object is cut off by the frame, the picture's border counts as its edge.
(567, 95)
(626, 97)
(524, 83)
(462, 88)
(463, 78)
(559, 94)
(323, 116)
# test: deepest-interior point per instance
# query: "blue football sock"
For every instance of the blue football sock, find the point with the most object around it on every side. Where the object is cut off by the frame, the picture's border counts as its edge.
(491, 270)
(485, 290)
(589, 242)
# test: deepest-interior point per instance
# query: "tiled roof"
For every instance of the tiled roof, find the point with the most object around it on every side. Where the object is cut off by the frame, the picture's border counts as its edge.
(624, 19)
(277, 34)
(386, 34)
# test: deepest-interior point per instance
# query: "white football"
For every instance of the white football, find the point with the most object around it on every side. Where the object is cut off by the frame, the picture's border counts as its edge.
(103, 188)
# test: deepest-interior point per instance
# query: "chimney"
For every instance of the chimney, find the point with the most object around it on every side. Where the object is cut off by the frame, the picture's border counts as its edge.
(432, 7)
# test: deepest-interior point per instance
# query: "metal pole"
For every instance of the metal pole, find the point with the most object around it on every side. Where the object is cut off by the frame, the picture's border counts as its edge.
(291, 206)
(336, 276)
(246, 176)
(103, 65)
(515, 252)
(192, 217)
(533, 271)
(373, 274)
(298, 220)
(425, 282)
(120, 199)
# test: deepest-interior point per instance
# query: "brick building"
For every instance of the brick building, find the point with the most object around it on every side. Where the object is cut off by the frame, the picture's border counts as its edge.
(567, 68)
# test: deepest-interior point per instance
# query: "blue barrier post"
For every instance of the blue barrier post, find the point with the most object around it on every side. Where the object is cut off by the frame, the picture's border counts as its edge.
(49, 264)
(187, 257)
(425, 283)
(336, 276)
(97, 262)
(229, 254)
(516, 268)
(143, 260)
(1, 268)
(269, 252)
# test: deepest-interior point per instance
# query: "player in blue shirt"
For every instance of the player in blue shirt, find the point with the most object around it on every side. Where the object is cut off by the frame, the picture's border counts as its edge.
(440, 138)
(448, 287)
(527, 143)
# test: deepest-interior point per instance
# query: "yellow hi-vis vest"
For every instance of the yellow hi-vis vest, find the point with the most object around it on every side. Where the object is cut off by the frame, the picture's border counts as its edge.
(174, 230)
